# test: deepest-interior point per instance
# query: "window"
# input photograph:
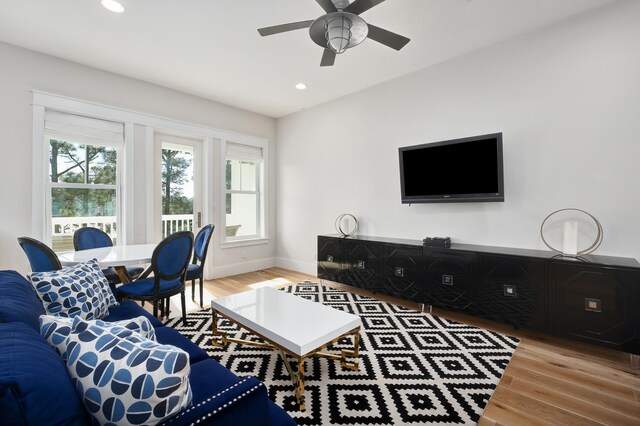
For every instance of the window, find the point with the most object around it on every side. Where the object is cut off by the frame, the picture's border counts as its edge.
(83, 176)
(244, 195)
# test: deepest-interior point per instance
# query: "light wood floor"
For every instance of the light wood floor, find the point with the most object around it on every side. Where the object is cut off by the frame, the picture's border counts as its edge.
(549, 381)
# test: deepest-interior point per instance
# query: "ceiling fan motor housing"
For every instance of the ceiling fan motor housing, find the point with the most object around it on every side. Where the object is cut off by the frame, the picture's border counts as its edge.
(359, 29)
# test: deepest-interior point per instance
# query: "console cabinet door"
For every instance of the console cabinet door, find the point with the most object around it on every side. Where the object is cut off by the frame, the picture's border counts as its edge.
(363, 264)
(402, 271)
(596, 304)
(330, 259)
(449, 279)
(511, 290)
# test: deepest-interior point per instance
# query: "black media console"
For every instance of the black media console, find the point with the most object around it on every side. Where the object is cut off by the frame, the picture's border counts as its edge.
(595, 299)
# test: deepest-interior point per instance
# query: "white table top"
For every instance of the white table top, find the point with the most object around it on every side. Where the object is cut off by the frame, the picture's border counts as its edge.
(296, 324)
(111, 256)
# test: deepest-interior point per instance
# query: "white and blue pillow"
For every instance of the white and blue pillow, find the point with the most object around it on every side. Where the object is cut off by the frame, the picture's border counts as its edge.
(124, 378)
(92, 267)
(79, 290)
(56, 329)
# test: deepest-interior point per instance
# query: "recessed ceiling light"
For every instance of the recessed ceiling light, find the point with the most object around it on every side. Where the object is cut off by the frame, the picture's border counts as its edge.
(301, 86)
(113, 5)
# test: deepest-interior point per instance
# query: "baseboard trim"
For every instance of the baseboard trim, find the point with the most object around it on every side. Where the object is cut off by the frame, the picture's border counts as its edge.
(296, 265)
(243, 267)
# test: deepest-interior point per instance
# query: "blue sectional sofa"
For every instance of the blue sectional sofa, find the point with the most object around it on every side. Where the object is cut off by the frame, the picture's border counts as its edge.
(36, 389)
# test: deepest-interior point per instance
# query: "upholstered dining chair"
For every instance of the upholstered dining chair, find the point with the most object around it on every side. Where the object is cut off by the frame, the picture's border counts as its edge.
(40, 255)
(169, 265)
(196, 267)
(89, 238)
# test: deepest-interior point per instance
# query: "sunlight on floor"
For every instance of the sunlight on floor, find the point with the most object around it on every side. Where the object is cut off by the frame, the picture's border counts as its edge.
(271, 283)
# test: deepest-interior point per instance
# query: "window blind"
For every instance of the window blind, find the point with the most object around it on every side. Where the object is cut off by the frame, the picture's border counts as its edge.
(76, 128)
(244, 152)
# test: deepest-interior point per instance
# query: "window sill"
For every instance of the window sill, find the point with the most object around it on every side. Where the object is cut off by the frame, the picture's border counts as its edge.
(244, 243)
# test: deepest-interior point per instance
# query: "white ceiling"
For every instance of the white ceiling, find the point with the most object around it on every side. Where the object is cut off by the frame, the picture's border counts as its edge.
(210, 48)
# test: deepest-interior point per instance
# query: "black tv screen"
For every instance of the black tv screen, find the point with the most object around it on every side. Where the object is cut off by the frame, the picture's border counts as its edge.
(458, 170)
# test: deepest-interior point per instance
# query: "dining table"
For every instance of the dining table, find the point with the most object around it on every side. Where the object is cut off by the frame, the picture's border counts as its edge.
(117, 257)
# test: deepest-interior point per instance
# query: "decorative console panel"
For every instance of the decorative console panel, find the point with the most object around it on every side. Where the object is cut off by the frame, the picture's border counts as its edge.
(595, 299)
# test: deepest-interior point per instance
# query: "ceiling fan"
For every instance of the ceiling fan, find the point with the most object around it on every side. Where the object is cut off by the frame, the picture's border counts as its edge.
(341, 28)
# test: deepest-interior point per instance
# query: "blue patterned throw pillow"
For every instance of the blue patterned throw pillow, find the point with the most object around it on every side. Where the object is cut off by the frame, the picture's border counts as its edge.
(124, 378)
(74, 291)
(93, 267)
(56, 329)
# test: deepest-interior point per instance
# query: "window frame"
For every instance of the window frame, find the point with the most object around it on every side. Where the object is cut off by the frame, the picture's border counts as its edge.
(262, 235)
(44, 102)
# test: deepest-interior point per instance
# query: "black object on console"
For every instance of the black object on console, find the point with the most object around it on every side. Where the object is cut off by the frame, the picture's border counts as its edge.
(437, 242)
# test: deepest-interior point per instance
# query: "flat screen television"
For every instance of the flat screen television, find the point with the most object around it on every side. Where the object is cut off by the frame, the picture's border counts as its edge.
(458, 170)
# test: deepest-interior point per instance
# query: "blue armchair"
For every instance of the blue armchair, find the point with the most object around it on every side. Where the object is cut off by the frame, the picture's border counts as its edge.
(41, 257)
(169, 265)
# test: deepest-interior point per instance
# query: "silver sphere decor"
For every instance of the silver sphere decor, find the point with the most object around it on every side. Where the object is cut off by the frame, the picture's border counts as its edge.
(347, 225)
(564, 227)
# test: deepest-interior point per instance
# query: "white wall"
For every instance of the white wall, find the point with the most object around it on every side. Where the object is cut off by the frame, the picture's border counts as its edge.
(567, 100)
(22, 71)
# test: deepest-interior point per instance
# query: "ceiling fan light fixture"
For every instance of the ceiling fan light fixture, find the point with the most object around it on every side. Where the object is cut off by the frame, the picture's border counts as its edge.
(338, 32)
(112, 5)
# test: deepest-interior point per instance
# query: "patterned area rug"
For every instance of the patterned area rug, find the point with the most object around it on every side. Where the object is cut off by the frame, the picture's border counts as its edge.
(415, 368)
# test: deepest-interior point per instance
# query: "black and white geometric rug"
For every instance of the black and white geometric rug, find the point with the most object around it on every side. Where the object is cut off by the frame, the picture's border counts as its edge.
(415, 368)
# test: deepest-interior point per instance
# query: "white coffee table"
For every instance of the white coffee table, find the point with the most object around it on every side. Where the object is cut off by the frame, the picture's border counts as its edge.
(297, 327)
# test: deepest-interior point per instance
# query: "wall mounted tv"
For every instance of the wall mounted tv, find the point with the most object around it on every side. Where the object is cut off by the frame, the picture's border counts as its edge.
(454, 171)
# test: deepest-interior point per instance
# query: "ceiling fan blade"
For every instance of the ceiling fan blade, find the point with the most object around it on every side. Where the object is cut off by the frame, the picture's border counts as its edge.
(328, 58)
(276, 29)
(393, 40)
(359, 6)
(327, 5)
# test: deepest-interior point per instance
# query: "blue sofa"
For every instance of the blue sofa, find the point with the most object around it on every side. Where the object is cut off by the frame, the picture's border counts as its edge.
(36, 389)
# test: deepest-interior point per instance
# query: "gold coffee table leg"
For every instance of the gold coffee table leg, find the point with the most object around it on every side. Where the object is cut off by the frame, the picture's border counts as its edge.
(297, 378)
(345, 353)
(217, 333)
(300, 384)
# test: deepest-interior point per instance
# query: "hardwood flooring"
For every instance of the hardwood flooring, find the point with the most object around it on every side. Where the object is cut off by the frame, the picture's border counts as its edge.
(549, 381)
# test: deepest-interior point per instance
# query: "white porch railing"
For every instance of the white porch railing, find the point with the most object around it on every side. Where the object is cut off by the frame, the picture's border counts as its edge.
(64, 227)
(176, 222)
(69, 225)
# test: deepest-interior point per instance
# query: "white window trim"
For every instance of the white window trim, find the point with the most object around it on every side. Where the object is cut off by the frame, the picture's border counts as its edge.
(263, 236)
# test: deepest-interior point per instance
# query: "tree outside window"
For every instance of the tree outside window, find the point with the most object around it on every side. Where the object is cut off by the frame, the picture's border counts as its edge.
(177, 190)
(83, 180)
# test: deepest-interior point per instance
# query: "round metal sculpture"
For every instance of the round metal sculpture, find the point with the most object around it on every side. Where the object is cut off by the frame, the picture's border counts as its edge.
(343, 225)
(572, 223)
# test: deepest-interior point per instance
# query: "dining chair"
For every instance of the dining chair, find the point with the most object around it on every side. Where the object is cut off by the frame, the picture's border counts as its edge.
(196, 267)
(40, 255)
(169, 265)
(89, 238)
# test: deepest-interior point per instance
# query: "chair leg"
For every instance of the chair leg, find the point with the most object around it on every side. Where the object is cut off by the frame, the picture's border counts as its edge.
(167, 303)
(184, 309)
(201, 305)
(155, 308)
(193, 288)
